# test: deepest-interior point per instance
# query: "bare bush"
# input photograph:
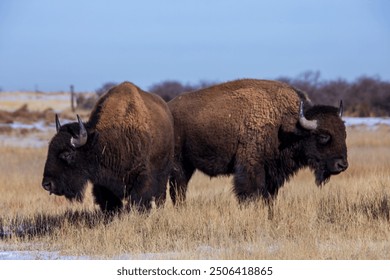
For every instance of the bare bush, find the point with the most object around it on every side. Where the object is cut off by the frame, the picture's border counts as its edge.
(170, 89)
(86, 102)
(105, 87)
(364, 97)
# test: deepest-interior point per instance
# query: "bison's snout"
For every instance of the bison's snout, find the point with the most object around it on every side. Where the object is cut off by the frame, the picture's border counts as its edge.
(339, 166)
(48, 185)
(342, 165)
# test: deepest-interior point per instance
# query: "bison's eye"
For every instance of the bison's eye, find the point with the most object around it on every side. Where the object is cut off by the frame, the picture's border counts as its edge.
(68, 157)
(323, 138)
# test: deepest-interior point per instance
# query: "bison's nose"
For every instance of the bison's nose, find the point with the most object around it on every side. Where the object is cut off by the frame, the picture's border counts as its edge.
(47, 185)
(341, 165)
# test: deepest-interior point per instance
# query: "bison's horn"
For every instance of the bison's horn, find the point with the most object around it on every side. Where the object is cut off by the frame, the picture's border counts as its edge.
(341, 109)
(58, 125)
(305, 123)
(83, 135)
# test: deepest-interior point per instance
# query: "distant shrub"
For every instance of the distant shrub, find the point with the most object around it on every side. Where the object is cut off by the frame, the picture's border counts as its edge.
(170, 89)
(86, 102)
(104, 88)
(364, 97)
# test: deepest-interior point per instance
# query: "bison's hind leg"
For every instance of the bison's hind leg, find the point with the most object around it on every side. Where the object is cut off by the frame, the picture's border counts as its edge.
(107, 200)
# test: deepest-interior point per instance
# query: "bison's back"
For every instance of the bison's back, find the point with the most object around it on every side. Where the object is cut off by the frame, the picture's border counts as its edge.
(121, 107)
(135, 127)
(214, 124)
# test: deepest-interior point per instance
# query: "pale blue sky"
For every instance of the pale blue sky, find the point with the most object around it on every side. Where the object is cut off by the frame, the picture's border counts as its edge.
(48, 45)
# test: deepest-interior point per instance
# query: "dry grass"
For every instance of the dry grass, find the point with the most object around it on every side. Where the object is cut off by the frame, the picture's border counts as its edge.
(349, 218)
(11, 101)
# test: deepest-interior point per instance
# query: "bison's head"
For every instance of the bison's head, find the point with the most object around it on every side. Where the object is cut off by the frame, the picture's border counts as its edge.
(323, 145)
(69, 161)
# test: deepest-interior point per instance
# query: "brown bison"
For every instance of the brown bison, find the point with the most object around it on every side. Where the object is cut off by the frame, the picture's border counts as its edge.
(125, 150)
(261, 131)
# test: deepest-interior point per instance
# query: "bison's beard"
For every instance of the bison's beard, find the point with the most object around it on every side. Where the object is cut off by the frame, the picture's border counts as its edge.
(75, 196)
(322, 175)
(73, 191)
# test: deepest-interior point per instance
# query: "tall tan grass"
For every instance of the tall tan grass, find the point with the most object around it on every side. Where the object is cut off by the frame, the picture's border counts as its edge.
(349, 218)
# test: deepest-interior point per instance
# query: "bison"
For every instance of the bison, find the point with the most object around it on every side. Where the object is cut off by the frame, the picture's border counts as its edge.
(125, 150)
(260, 131)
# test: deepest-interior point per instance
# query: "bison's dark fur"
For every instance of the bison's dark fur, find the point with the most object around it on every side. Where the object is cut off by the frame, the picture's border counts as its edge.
(254, 130)
(127, 153)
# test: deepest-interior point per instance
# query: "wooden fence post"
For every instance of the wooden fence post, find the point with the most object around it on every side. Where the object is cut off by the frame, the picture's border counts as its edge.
(72, 98)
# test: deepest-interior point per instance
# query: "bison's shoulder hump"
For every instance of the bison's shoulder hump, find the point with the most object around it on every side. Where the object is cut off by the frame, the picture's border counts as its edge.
(121, 106)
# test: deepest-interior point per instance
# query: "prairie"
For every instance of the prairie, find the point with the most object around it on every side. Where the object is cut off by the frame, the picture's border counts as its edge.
(36, 100)
(348, 218)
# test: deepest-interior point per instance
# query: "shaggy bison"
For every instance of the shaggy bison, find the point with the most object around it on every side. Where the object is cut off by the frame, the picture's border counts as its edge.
(261, 131)
(125, 150)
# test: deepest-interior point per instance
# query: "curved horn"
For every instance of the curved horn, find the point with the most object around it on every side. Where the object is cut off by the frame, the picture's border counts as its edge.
(83, 135)
(305, 123)
(341, 109)
(58, 125)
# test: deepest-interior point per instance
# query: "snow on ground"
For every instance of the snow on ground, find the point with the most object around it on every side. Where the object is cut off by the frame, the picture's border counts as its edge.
(36, 255)
(367, 122)
(202, 250)
(56, 255)
(40, 125)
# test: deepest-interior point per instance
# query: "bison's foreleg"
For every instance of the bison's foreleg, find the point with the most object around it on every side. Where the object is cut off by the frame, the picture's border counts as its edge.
(249, 183)
(160, 189)
(142, 192)
(107, 200)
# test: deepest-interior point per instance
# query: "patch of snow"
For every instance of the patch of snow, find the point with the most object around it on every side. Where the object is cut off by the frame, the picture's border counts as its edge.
(40, 125)
(368, 122)
(36, 255)
(56, 255)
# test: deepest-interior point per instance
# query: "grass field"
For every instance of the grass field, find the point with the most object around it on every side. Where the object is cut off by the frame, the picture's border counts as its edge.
(349, 218)
(36, 101)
